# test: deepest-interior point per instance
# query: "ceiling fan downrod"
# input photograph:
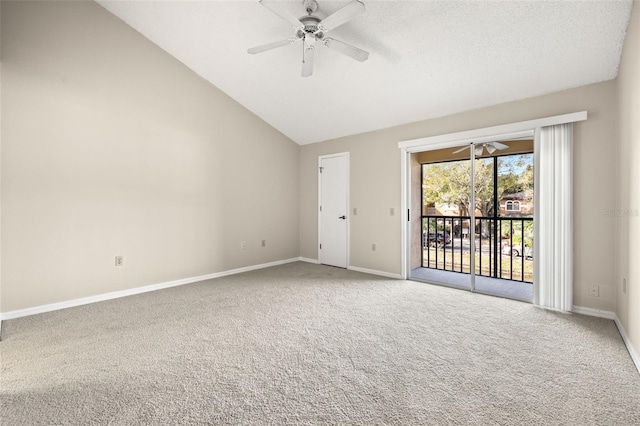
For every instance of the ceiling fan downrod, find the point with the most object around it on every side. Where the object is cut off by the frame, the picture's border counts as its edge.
(310, 6)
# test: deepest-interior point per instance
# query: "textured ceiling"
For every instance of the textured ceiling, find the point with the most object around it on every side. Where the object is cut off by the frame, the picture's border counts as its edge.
(427, 58)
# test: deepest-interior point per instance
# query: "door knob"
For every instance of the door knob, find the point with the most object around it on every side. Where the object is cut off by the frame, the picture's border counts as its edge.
(342, 217)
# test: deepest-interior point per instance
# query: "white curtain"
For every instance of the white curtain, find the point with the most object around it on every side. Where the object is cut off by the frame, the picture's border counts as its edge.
(554, 225)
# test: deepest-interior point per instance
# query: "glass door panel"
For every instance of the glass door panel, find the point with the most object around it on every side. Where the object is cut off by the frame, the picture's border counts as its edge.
(504, 222)
(445, 223)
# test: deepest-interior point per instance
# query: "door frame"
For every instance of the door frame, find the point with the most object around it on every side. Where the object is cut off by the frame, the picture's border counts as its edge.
(320, 158)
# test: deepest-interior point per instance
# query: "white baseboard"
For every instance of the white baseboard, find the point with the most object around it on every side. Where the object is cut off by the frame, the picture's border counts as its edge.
(130, 292)
(612, 316)
(357, 269)
(375, 272)
(593, 312)
(625, 337)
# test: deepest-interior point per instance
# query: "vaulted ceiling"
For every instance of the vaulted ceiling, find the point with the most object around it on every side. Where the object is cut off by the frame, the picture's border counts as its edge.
(427, 58)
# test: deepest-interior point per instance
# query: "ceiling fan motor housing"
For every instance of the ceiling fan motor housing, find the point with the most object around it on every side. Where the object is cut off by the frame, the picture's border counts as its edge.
(310, 27)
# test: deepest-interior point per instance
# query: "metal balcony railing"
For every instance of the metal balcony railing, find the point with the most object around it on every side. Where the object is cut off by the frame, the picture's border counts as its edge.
(503, 246)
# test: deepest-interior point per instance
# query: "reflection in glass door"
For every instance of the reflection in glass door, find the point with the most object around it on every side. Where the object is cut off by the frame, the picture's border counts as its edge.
(477, 233)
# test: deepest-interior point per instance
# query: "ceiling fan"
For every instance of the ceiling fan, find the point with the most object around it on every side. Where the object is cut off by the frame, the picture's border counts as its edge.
(311, 30)
(491, 147)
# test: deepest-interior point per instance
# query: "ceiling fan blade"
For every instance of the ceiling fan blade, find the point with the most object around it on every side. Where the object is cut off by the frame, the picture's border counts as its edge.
(346, 49)
(276, 8)
(460, 150)
(499, 145)
(307, 61)
(338, 18)
(269, 46)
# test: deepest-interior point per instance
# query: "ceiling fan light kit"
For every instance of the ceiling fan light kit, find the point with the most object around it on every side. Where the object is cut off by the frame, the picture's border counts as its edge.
(311, 30)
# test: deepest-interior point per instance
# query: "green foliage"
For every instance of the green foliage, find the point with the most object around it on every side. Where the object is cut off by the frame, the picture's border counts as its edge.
(450, 182)
(519, 234)
(515, 174)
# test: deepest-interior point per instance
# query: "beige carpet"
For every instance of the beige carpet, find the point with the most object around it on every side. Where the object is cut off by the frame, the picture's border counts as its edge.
(308, 344)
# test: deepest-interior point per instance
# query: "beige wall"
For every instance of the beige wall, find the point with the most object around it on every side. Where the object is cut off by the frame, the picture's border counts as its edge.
(627, 207)
(375, 183)
(112, 147)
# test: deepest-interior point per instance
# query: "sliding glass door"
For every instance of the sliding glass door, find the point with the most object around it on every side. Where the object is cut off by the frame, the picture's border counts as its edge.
(476, 218)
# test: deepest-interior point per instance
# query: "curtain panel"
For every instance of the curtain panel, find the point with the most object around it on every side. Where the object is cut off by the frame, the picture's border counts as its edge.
(554, 224)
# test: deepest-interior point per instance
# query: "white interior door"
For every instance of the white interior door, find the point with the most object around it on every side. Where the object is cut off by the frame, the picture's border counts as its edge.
(333, 209)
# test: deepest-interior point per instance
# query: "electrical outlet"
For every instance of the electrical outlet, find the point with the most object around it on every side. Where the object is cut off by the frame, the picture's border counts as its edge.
(355, 211)
(264, 243)
(392, 211)
(243, 245)
(594, 290)
(373, 247)
(624, 285)
(119, 260)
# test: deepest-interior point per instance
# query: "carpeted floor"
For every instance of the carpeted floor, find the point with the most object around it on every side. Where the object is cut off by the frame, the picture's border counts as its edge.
(308, 344)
